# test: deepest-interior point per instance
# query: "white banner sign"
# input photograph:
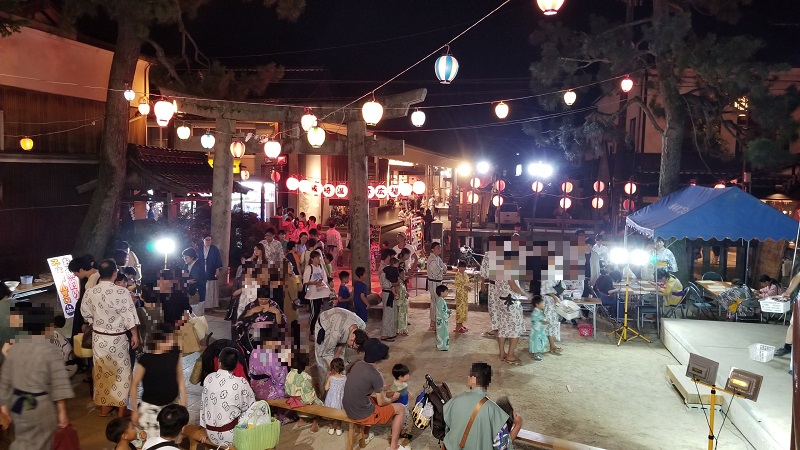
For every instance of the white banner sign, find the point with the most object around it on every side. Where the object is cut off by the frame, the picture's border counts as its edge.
(67, 284)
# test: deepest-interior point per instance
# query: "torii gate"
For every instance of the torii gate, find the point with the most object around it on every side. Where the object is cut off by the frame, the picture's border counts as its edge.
(357, 148)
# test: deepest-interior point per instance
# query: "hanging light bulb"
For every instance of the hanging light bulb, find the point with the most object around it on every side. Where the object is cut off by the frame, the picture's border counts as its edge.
(308, 120)
(129, 95)
(418, 118)
(183, 132)
(144, 106)
(626, 84)
(446, 67)
(163, 111)
(570, 97)
(372, 112)
(207, 140)
(550, 7)
(237, 149)
(501, 110)
(272, 148)
(316, 136)
(26, 143)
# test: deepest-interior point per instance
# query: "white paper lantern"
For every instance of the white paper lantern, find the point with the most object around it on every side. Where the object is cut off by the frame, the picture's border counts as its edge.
(418, 187)
(570, 97)
(501, 110)
(207, 141)
(304, 186)
(418, 118)
(183, 132)
(372, 112)
(316, 136)
(341, 190)
(163, 111)
(307, 121)
(129, 95)
(144, 107)
(406, 189)
(272, 148)
(549, 7)
(381, 191)
(328, 190)
(292, 183)
(626, 84)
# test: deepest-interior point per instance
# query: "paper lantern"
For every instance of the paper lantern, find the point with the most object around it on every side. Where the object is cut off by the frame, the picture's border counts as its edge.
(183, 132)
(418, 118)
(565, 203)
(372, 112)
(570, 97)
(341, 190)
(381, 191)
(549, 7)
(272, 148)
(26, 143)
(418, 187)
(316, 188)
(628, 205)
(501, 110)
(626, 84)
(394, 191)
(472, 197)
(316, 136)
(500, 185)
(144, 107)
(370, 192)
(475, 183)
(446, 68)
(304, 186)
(630, 188)
(292, 183)
(719, 186)
(129, 95)
(406, 189)
(599, 186)
(237, 149)
(207, 141)
(566, 187)
(275, 176)
(163, 111)
(245, 174)
(597, 203)
(307, 121)
(537, 186)
(497, 201)
(328, 190)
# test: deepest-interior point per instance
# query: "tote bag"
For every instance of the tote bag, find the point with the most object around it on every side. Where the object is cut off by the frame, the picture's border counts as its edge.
(257, 429)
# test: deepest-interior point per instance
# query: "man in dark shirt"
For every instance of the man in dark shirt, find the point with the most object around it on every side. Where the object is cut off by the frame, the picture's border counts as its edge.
(364, 398)
(603, 285)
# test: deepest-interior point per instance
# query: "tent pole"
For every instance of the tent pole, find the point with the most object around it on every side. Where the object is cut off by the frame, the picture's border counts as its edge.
(794, 256)
(747, 265)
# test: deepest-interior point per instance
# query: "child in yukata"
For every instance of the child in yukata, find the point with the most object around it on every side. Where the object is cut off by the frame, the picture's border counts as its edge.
(537, 342)
(442, 319)
(462, 292)
(268, 363)
(300, 384)
(402, 306)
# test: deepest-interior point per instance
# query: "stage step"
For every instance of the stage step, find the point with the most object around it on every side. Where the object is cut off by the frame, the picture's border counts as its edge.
(676, 374)
(539, 440)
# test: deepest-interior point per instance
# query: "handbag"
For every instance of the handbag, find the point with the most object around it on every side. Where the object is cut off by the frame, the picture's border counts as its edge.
(66, 439)
(199, 326)
(194, 298)
(187, 340)
(79, 350)
(257, 429)
(294, 402)
(197, 372)
(86, 339)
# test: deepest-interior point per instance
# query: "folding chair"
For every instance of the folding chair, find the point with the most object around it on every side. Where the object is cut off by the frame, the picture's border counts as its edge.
(603, 309)
(712, 276)
(694, 297)
(671, 310)
(748, 310)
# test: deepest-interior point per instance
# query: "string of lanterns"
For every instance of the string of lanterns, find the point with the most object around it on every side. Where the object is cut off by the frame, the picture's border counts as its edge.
(379, 191)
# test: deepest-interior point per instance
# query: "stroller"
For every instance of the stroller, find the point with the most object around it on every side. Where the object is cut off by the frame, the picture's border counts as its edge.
(210, 363)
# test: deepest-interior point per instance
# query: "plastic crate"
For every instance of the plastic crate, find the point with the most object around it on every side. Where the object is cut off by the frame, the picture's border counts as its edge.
(775, 307)
(568, 310)
(585, 329)
(761, 352)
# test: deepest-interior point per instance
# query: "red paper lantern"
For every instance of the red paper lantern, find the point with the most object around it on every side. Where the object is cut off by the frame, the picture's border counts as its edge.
(394, 191)
(276, 177)
(292, 183)
(628, 205)
(341, 191)
(599, 186)
(497, 201)
(537, 186)
(316, 188)
(565, 203)
(499, 185)
(237, 149)
(566, 187)
(630, 188)
(597, 203)
(328, 190)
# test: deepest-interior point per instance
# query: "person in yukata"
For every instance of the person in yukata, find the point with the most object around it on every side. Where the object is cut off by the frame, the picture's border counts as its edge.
(268, 362)
(219, 417)
(442, 319)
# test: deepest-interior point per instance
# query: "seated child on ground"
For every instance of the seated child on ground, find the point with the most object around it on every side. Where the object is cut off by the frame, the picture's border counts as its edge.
(122, 432)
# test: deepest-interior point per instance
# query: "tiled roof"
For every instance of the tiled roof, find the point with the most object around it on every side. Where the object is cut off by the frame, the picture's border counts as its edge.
(180, 172)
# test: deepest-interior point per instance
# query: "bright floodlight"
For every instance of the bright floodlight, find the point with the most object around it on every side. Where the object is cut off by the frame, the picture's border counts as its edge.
(540, 170)
(639, 257)
(165, 246)
(464, 169)
(483, 167)
(618, 255)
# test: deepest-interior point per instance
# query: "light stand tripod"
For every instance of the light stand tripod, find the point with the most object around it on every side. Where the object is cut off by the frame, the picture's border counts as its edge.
(624, 330)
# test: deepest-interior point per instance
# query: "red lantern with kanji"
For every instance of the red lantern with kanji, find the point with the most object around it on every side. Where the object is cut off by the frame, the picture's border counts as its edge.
(292, 183)
(276, 177)
(341, 191)
(370, 192)
(599, 186)
(316, 188)
(381, 191)
(597, 203)
(628, 205)
(499, 185)
(328, 190)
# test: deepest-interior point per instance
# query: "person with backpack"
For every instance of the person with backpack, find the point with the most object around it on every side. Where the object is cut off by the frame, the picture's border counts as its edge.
(473, 422)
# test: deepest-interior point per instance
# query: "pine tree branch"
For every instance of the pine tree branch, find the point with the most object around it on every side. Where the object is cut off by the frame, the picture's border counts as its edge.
(162, 58)
(626, 25)
(585, 62)
(185, 35)
(647, 112)
(735, 131)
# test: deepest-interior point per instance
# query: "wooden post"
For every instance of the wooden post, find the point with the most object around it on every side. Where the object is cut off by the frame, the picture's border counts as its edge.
(222, 190)
(357, 175)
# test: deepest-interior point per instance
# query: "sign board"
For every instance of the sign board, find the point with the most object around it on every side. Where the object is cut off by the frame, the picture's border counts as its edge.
(66, 283)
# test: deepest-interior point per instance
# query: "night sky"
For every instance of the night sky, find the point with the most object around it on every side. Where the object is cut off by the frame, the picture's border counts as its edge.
(357, 45)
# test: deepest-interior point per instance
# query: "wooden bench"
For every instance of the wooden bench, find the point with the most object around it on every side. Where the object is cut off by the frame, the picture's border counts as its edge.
(331, 414)
(198, 435)
(541, 441)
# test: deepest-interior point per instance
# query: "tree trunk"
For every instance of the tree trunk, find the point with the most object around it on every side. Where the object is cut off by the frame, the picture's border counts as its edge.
(100, 219)
(357, 175)
(222, 191)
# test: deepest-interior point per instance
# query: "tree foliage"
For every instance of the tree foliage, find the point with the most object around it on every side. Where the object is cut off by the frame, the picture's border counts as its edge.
(10, 25)
(697, 75)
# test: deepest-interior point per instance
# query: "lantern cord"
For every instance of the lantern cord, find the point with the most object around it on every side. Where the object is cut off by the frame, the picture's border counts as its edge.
(53, 132)
(421, 60)
(55, 121)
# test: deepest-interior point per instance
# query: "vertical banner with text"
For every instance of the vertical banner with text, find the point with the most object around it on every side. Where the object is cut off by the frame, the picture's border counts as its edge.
(65, 282)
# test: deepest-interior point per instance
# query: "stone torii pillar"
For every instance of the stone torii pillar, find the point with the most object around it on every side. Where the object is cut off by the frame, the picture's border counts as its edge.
(357, 147)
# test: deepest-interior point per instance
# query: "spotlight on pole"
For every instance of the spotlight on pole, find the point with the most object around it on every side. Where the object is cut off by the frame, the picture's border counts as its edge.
(540, 170)
(483, 167)
(165, 246)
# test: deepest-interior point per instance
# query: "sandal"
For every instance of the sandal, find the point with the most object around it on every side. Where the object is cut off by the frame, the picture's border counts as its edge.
(514, 362)
(388, 339)
(556, 350)
(461, 330)
(489, 334)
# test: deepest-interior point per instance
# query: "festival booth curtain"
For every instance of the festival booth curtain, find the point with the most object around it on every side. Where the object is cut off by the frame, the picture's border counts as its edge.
(704, 213)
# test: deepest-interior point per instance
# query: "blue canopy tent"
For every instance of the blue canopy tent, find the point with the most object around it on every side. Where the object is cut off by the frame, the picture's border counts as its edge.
(696, 212)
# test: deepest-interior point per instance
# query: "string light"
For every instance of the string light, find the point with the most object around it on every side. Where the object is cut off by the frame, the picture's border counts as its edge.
(501, 110)
(26, 143)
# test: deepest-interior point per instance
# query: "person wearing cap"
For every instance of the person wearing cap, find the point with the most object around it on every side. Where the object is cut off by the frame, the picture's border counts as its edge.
(335, 329)
(365, 400)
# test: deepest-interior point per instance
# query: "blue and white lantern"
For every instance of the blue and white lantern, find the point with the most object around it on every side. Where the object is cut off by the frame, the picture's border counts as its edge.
(446, 68)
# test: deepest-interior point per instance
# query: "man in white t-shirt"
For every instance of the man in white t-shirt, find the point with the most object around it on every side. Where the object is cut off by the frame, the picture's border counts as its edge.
(403, 243)
(333, 241)
(171, 421)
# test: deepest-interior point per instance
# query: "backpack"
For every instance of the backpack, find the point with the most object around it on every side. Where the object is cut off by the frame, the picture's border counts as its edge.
(438, 396)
